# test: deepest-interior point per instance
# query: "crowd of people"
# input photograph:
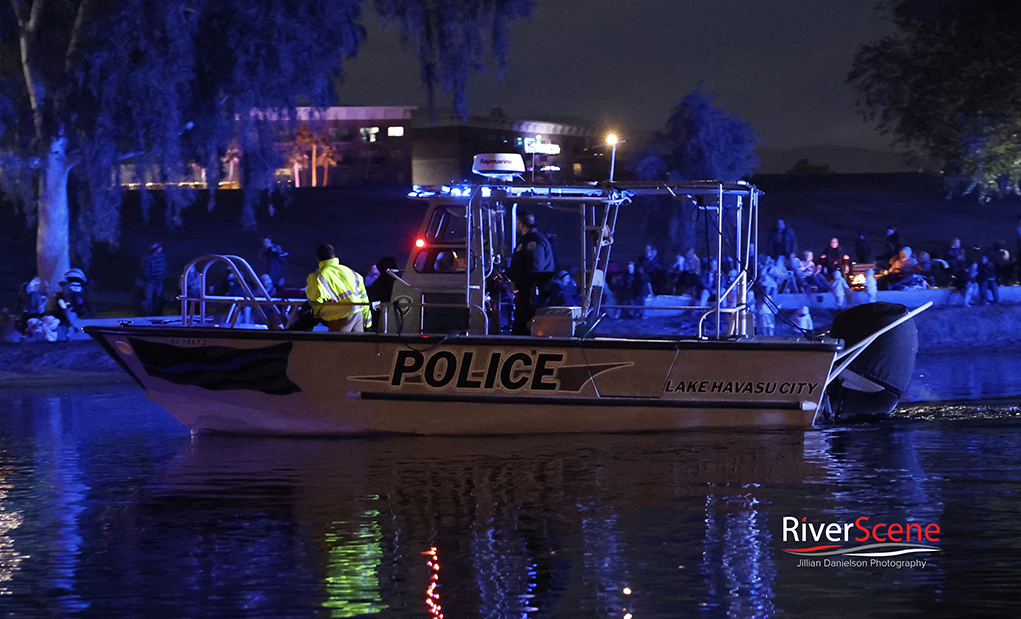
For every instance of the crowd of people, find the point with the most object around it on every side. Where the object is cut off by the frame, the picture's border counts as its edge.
(852, 277)
(975, 274)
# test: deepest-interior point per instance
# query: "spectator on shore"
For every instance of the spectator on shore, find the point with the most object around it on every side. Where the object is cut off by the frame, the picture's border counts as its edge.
(675, 276)
(708, 283)
(1000, 258)
(810, 275)
(956, 256)
(274, 261)
(154, 272)
(33, 299)
(781, 240)
(862, 249)
(1017, 251)
(769, 283)
(957, 265)
(840, 289)
(903, 273)
(891, 245)
(70, 303)
(804, 319)
(655, 273)
(871, 285)
(765, 322)
(833, 261)
(691, 283)
(785, 280)
(635, 287)
(969, 281)
(987, 281)
(905, 262)
(267, 283)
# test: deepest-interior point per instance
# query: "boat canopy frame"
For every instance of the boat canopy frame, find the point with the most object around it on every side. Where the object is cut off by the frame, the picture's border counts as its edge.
(731, 209)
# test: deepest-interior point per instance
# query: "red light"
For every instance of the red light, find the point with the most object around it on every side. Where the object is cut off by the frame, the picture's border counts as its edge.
(420, 243)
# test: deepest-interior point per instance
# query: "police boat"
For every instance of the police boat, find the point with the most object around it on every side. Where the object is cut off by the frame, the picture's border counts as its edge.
(443, 360)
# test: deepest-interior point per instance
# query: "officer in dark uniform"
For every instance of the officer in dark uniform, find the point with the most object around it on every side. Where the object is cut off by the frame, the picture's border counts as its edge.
(531, 271)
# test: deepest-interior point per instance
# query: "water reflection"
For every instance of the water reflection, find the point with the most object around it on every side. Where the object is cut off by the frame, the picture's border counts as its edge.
(110, 509)
(10, 519)
(521, 526)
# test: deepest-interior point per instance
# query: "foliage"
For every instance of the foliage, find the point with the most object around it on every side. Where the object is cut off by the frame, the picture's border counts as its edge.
(949, 82)
(701, 142)
(163, 84)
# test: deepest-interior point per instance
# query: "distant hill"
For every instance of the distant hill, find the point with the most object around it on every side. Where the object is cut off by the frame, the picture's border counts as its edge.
(842, 159)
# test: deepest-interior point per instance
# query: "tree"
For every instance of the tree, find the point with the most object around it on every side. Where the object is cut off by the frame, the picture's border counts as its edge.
(701, 142)
(949, 83)
(87, 85)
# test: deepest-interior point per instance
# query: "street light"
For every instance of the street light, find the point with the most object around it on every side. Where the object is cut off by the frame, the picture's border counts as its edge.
(611, 140)
(538, 141)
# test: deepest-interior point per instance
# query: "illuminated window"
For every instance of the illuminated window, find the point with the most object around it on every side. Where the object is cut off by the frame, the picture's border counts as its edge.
(369, 134)
(395, 132)
(577, 169)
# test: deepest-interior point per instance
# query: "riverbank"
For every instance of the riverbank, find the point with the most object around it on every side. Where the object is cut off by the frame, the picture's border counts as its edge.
(40, 364)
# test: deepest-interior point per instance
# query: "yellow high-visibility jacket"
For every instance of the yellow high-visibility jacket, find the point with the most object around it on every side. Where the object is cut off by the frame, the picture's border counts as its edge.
(332, 290)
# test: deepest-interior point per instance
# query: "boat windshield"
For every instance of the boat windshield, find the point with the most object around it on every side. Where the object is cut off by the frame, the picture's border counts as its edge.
(448, 225)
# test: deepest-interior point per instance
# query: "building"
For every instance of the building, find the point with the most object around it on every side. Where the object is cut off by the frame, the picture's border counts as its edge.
(364, 145)
(399, 146)
(442, 151)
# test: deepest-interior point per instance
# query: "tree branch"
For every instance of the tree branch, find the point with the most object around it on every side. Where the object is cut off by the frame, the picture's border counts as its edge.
(37, 12)
(19, 12)
(79, 22)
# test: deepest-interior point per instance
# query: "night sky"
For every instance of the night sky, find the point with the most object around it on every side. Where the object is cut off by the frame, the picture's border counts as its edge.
(779, 64)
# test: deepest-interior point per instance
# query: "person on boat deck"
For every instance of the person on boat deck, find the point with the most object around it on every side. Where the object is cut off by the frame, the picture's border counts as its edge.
(337, 294)
(531, 271)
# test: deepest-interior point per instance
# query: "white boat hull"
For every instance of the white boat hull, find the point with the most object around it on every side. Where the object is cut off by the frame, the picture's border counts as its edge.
(243, 381)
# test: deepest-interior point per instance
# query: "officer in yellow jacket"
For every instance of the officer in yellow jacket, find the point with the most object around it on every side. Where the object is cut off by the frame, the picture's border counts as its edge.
(337, 294)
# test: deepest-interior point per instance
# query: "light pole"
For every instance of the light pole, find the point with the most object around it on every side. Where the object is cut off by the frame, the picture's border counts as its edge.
(538, 141)
(612, 141)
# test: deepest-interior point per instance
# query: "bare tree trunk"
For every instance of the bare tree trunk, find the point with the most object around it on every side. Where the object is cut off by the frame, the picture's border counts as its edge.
(53, 240)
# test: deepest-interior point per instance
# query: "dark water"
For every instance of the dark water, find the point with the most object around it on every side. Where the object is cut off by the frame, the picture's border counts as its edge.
(973, 375)
(109, 509)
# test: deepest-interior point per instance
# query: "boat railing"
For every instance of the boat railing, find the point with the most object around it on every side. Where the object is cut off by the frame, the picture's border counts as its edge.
(719, 309)
(199, 306)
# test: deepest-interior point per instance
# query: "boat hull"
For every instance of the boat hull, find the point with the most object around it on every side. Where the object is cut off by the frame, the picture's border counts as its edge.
(243, 381)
